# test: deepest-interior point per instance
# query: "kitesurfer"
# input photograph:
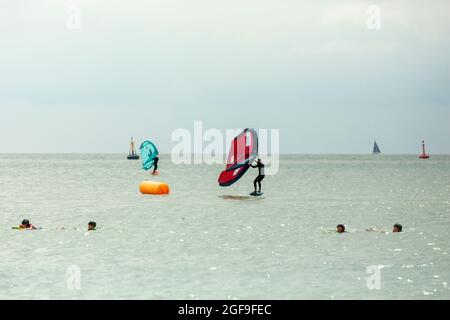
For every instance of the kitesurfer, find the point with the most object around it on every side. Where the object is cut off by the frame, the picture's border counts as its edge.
(397, 227)
(92, 226)
(340, 228)
(260, 165)
(155, 164)
(26, 225)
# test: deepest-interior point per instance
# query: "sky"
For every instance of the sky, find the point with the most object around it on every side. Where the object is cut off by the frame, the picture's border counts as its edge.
(314, 69)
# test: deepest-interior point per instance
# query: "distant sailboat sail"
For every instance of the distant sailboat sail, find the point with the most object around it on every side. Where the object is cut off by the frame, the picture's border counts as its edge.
(376, 149)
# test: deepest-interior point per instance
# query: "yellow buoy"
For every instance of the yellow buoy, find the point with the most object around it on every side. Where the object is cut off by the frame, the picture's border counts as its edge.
(153, 187)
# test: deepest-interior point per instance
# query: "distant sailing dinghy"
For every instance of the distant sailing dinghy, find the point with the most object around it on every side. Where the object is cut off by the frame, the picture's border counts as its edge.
(424, 155)
(376, 149)
(132, 155)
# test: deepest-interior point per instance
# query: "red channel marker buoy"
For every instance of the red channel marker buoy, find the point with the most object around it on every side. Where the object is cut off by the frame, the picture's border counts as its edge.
(424, 155)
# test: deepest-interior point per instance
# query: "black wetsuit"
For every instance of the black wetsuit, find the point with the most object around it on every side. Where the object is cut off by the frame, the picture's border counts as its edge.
(260, 176)
(155, 164)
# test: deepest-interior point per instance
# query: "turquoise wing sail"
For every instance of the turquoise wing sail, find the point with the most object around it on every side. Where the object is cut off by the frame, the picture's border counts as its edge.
(148, 152)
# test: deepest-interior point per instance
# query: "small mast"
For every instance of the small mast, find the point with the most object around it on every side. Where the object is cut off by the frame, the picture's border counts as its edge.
(132, 147)
(424, 155)
(132, 155)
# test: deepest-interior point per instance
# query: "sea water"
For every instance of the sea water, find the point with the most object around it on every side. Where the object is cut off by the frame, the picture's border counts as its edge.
(208, 242)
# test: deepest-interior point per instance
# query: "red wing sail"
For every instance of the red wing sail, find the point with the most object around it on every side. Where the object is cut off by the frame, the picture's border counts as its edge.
(243, 151)
(227, 178)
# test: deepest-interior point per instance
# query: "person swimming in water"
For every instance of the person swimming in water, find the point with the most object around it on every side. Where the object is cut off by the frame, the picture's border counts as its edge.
(155, 169)
(26, 225)
(397, 227)
(340, 228)
(260, 165)
(92, 226)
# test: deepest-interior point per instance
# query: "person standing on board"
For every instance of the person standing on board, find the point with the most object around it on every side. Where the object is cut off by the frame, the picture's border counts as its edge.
(155, 169)
(260, 165)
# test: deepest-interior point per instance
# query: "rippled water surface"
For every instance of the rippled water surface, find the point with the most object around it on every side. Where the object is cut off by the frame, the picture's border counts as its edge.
(207, 242)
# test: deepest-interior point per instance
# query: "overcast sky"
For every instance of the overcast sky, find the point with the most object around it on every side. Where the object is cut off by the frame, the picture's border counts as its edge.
(143, 68)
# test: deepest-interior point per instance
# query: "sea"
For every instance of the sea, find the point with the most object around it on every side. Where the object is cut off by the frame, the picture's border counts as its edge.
(203, 241)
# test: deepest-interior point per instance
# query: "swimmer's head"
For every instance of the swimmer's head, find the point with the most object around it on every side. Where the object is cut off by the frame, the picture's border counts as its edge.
(397, 227)
(26, 223)
(340, 228)
(92, 225)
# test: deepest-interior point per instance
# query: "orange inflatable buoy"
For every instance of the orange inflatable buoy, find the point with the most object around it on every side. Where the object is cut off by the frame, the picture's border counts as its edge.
(153, 187)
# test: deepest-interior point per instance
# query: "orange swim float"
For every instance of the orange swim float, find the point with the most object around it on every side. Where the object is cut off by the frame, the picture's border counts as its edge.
(153, 187)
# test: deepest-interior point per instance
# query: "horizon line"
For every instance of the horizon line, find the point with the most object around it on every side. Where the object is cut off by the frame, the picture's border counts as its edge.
(221, 154)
